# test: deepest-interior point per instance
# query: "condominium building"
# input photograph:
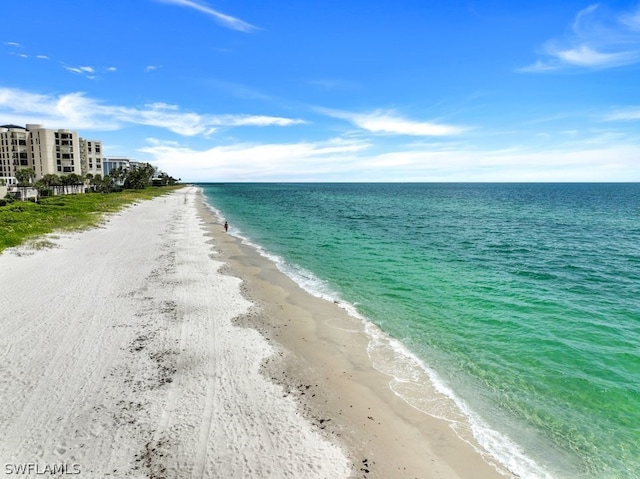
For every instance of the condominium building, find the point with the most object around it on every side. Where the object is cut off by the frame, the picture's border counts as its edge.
(47, 151)
(91, 157)
(54, 152)
(115, 162)
(14, 151)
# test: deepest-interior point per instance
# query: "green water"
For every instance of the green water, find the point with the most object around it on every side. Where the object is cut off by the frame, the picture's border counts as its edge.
(522, 299)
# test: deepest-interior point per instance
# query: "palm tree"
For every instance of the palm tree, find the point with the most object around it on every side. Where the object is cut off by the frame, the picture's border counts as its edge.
(118, 175)
(88, 178)
(75, 181)
(66, 180)
(109, 183)
(140, 177)
(25, 177)
(48, 181)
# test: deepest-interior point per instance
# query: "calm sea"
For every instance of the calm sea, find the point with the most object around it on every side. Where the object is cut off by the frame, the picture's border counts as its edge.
(519, 302)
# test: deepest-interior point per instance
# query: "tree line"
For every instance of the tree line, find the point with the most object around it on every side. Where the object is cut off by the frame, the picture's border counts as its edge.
(136, 178)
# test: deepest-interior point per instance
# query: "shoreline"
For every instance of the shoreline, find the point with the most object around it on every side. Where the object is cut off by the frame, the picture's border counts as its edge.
(158, 345)
(323, 362)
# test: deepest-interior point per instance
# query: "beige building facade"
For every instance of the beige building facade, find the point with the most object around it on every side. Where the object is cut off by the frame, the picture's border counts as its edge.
(48, 151)
(14, 151)
(91, 159)
(55, 152)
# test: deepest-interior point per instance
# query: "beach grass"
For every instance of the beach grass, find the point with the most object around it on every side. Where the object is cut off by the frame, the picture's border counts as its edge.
(23, 221)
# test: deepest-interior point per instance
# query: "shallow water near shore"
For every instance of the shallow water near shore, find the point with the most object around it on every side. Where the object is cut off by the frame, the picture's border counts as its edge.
(520, 302)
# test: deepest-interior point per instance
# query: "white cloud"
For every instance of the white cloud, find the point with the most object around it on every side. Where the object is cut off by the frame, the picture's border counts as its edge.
(631, 113)
(225, 20)
(596, 40)
(587, 57)
(258, 120)
(388, 122)
(538, 66)
(77, 111)
(86, 71)
(351, 160)
(304, 161)
(583, 17)
(151, 68)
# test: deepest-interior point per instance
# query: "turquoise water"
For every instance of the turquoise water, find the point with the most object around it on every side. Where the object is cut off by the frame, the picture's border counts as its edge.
(522, 300)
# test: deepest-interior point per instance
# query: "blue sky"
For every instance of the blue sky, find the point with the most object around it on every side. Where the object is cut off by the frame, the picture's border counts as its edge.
(376, 90)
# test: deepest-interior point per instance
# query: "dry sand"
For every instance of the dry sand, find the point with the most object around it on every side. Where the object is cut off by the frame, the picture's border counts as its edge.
(126, 352)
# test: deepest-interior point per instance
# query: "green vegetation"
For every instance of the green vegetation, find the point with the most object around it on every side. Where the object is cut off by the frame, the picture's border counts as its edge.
(22, 220)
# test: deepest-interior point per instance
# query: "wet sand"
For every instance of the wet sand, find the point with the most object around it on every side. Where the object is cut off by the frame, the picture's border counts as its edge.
(323, 362)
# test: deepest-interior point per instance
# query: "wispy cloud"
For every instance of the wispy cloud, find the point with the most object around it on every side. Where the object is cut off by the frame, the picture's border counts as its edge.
(80, 70)
(88, 71)
(597, 39)
(388, 122)
(16, 49)
(151, 68)
(629, 113)
(77, 111)
(225, 20)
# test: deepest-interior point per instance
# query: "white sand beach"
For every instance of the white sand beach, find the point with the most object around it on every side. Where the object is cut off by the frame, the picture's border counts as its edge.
(157, 346)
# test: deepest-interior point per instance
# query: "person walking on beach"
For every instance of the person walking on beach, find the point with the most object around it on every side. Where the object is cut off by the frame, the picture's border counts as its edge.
(226, 226)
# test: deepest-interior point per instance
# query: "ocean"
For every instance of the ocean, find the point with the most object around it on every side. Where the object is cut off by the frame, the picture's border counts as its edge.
(518, 303)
